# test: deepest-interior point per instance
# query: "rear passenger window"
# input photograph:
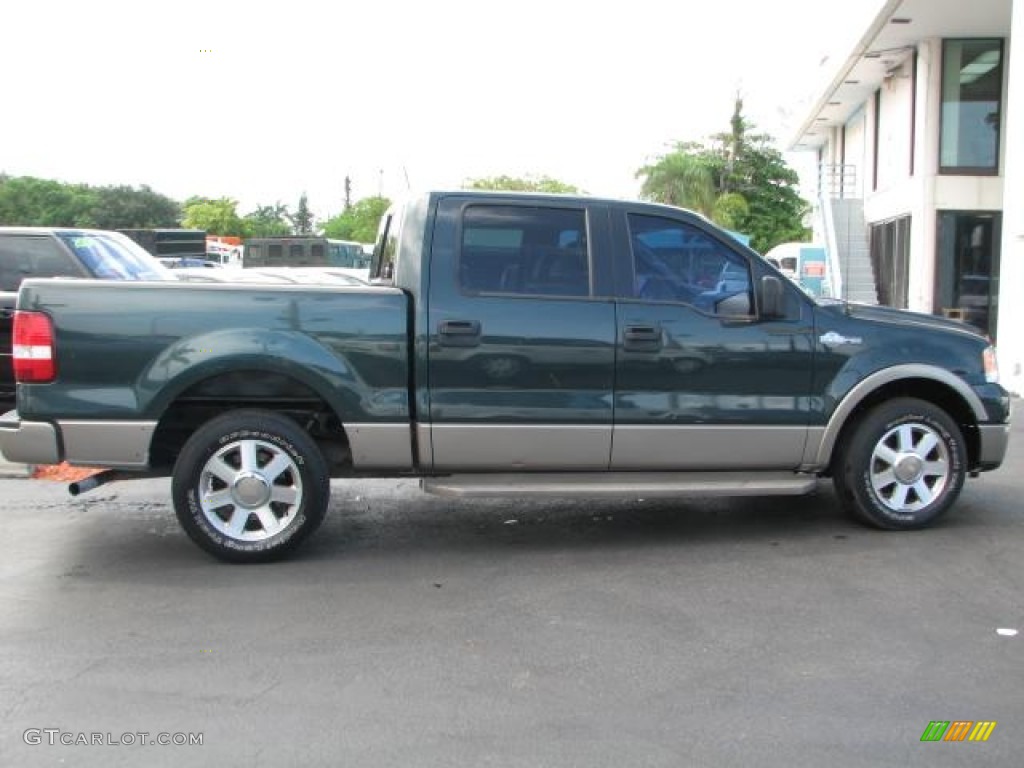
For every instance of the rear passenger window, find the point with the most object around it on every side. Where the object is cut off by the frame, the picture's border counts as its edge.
(24, 256)
(522, 250)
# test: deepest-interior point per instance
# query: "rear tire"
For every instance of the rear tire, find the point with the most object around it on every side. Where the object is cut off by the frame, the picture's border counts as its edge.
(902, 466)
(250, 486)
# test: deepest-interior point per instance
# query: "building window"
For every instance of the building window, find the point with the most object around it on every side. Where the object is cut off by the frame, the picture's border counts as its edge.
(972, 92)
(967, 272)
(890, 261)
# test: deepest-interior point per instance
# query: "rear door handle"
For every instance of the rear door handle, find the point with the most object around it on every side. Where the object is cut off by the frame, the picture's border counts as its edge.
(459, 333)
(641, 338)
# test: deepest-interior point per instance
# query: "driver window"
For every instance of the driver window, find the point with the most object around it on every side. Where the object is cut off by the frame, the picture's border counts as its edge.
(676, 262)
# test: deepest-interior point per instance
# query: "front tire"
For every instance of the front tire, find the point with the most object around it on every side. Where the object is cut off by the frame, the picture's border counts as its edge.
(250, 486)
(903, 465)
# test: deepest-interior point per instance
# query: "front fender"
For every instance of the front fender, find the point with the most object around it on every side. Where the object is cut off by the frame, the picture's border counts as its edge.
(818, 452)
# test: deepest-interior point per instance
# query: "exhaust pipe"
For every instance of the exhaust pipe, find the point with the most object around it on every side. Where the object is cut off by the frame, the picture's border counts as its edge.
(95, 481)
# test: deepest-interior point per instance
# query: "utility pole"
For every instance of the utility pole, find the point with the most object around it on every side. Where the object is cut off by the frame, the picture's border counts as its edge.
(348, 192)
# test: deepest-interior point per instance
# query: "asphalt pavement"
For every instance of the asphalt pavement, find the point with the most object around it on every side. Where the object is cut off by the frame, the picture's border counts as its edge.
(417, 631)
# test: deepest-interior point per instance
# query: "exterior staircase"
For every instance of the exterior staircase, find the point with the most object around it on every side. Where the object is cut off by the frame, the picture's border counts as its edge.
(852, 256)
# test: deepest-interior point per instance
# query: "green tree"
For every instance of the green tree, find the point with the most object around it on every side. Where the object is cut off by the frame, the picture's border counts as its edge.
(522, 184)
(752, 189)
(730, 210)
(29, 201)
(302, 220)
(267, 221)
(775, 211)
(217, 216)
(359, 223)
(681, 179)
(123, 207)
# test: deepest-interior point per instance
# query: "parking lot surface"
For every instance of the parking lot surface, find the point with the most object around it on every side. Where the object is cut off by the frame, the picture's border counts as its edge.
(416, 631)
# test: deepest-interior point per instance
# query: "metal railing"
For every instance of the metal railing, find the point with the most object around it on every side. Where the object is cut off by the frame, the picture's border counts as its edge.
(837, 182)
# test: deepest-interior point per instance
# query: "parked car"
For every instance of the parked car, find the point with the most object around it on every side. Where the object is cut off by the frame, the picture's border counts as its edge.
(65, 253)
(505, 348)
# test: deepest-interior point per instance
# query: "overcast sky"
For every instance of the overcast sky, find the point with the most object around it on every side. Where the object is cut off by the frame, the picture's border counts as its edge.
(260, 101)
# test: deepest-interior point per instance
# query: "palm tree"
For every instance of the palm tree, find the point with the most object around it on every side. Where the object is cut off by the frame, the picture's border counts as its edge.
(680, 179)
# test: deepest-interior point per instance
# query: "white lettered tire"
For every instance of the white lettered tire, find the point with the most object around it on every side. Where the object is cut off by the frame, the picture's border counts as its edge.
(902, 466)
(250, 486)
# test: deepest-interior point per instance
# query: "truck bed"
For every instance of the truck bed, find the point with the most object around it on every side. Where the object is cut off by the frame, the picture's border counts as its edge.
(124, 350)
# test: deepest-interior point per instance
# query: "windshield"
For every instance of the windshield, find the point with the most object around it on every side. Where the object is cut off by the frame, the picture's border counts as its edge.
(108, 255)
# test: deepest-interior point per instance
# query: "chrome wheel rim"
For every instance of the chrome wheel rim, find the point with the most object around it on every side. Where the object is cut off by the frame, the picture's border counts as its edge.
(909, 467)
(250, 490)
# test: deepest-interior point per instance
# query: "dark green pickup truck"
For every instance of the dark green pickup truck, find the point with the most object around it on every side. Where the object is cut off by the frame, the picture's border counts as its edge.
(517, 345)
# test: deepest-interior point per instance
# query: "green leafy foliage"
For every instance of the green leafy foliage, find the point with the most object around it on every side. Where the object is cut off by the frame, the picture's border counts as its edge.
(738, 179)
(522, 184)
(359, 223)
(681, 178)
(267, 221)
(124, 207)
(218, 216)
(28, 201)
(302, 220)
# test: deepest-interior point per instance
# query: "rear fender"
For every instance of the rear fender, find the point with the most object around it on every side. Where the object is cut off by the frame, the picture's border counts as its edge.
(328, 372)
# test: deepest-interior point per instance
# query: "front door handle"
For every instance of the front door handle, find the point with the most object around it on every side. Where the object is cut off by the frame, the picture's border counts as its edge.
(641, 338)
(459, 333)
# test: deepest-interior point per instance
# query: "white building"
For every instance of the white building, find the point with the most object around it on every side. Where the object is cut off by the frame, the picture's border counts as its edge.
(920, 145)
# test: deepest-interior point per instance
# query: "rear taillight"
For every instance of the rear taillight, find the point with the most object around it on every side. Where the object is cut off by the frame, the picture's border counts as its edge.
(34, 358)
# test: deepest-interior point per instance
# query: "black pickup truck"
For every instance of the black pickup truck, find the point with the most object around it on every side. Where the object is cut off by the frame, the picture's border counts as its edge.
(513, 345)
(27, 252)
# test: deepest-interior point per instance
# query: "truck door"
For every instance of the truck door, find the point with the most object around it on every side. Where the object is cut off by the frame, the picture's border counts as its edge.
(521, 343)
(701, 381)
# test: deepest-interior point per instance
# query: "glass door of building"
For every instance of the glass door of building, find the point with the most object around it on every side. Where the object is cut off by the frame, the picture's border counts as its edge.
(967, 268)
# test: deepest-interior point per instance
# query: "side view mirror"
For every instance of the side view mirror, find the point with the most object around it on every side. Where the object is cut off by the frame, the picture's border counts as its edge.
(771, 297)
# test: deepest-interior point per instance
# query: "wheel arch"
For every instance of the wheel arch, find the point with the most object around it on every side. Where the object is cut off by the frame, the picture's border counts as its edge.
(935, 385)
(191, 361)
(204, 398)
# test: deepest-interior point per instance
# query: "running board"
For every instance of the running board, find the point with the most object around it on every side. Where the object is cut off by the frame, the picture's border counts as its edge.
(622, 484)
